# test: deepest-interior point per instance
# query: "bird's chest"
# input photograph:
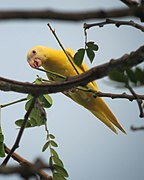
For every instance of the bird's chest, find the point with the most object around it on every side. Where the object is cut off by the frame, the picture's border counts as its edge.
(60, 67)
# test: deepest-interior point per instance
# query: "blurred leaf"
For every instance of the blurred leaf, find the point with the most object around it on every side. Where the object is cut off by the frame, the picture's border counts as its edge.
(118, 76)
(131, 75)
(90, 54)
(2, 151)
(50, 161)
(139, 74)
(57, 176)
(46, 100)
(91, 45)
(54, 153)
(57, 161)
(60, 170)
(53, 143)
(46, 145)
(79, 56)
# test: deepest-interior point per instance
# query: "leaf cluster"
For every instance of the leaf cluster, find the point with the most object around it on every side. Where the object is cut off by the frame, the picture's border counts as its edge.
(90, 48)
(56, 164)
(38, 114)
(133, 76)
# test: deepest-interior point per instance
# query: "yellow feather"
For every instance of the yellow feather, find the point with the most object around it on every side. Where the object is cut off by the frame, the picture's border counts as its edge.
(56, 61)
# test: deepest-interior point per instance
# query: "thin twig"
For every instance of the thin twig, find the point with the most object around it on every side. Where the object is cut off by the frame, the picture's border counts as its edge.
(137, 128)
(69, 59)
(52, 73)
(19, 136)
(14, 102)
(119, 96)
(139, 101)
(117, 23)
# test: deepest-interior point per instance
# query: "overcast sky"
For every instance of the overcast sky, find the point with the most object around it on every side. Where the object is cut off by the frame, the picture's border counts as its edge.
(87, 147)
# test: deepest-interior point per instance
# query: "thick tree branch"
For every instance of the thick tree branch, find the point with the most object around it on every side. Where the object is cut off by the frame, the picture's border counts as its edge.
(97, 72)
(72, 16)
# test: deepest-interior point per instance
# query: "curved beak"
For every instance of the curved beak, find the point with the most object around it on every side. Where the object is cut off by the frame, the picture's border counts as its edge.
(34, 62)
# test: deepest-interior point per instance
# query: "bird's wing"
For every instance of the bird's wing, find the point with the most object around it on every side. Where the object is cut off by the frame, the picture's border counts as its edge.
(83, 67)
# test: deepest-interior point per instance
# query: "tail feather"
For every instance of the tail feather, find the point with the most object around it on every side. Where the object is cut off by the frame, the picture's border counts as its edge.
(105, 120)
(107, 117)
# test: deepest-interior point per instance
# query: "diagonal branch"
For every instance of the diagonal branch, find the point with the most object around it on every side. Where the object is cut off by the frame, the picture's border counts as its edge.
(97, 72)
(19, 136)
(72, 16)
(138, 100)
(24, 162)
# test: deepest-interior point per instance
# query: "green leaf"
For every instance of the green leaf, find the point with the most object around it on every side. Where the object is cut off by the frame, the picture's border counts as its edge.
(57, 161)
(51, 136)
(50, 161)
(57, 176)
(33, 122)
(38, 116)
(54, 153)
(90, 54)
(29, 96)
(20, 121)
(60, 170)
(46, 145)
(118, 76)
(91, 45)
(53, 143)
(79, 56)
(38, 80)
(46, 100)
(28, 103)
(2, 151)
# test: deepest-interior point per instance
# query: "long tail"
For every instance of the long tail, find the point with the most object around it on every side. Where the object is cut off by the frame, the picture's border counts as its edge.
(107, 117)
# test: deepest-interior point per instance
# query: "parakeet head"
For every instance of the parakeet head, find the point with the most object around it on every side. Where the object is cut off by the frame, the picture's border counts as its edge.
(36, 56)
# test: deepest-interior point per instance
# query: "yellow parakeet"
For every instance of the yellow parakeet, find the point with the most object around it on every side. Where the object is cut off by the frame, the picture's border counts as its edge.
(56, 61)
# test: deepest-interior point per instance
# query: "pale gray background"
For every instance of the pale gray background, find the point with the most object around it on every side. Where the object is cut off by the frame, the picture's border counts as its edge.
(88, 149)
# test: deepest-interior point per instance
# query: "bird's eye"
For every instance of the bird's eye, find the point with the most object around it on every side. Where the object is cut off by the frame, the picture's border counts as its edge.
(33, 51)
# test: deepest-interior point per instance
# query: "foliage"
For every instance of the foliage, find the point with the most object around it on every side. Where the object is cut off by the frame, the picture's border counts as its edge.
(56, 164)
(130, 76)
(37, 118)
(89, 49)
(38, 114)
